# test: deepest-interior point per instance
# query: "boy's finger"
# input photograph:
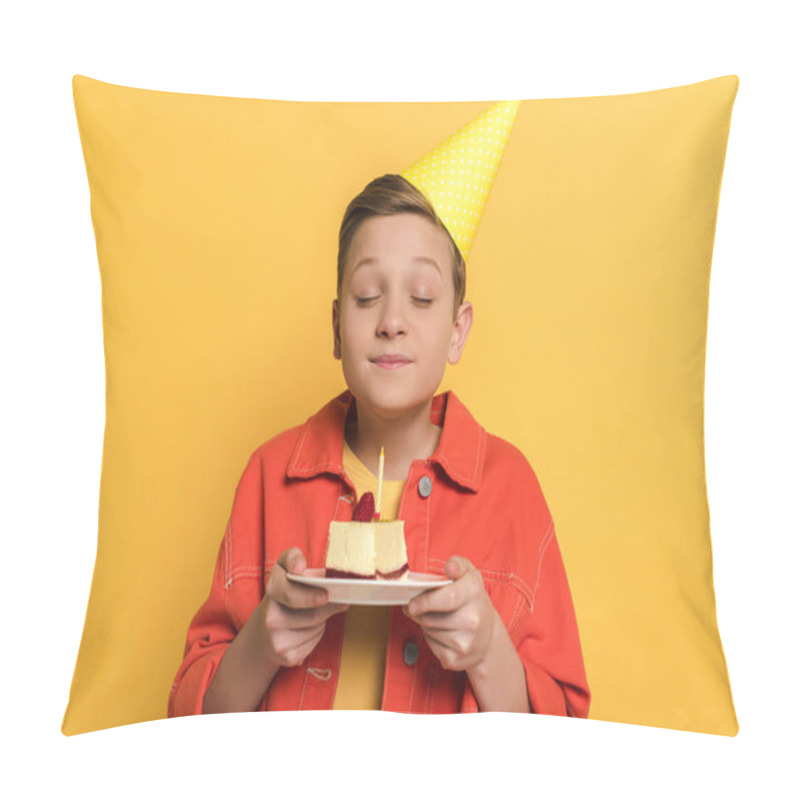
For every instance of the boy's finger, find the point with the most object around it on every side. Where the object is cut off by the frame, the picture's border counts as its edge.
(300, 619)
(331, 609)
(299, 647)
(293, 560)
(297, 596)
(442, 648)
(315, 632)
(293, 595)
(456, 567)
(439, 621)
(446, 599)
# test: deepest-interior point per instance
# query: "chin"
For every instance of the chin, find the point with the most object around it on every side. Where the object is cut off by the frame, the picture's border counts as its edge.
(390, 403)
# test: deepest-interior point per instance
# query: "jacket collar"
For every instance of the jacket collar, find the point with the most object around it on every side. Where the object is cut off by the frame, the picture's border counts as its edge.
(460, 453)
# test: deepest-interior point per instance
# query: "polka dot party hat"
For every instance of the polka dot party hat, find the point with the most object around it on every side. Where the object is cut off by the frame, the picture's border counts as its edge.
(457, 175)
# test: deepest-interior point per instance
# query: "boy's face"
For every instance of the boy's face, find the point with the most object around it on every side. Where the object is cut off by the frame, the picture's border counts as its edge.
(393, 325)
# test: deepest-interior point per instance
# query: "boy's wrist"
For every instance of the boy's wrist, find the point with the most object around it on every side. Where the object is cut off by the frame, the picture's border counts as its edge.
(498, 678)
(245, 672)
(257, 641)
(483, 668)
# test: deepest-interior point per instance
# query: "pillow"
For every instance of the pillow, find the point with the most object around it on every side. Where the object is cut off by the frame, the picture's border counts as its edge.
(216, 222)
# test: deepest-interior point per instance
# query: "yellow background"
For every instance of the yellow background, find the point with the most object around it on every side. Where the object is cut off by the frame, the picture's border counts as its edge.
(216, 222)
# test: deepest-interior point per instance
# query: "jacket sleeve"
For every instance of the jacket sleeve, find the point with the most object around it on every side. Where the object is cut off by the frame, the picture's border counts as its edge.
(546, 638)
(236, 589)
(548, 643)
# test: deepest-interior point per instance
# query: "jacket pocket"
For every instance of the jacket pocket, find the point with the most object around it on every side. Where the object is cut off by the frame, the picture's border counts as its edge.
(510, 594)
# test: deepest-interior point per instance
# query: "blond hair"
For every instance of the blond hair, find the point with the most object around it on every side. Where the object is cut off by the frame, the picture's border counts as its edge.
(384, 196)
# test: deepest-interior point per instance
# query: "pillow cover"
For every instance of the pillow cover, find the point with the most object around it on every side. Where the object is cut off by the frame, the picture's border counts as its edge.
(216, 222)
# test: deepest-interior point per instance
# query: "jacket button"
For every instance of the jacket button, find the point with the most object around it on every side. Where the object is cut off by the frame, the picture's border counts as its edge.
(425, 486)
(410, 653)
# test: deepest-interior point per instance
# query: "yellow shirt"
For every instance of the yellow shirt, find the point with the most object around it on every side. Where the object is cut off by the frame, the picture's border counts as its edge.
(366, 628)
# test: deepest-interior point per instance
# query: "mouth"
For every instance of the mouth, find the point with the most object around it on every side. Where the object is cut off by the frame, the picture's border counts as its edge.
(390, 362)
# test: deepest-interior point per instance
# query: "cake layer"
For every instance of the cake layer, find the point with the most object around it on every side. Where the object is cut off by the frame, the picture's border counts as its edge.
(366, 550)
(339, 573)
(395, 575)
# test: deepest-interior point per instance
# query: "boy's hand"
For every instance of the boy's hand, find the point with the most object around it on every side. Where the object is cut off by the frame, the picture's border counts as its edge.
(457, 620)
(293, 615)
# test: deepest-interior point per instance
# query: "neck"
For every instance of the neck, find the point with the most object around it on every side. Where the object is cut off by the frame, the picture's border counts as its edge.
(404, 439)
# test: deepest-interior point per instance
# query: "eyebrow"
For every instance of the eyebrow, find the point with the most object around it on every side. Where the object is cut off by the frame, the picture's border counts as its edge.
(417, 259)
(426, 260)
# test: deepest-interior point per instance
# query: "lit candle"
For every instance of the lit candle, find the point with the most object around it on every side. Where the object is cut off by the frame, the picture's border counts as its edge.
(380, 486)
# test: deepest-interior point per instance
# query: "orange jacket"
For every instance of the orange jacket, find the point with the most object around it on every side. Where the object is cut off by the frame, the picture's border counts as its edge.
(485, 504)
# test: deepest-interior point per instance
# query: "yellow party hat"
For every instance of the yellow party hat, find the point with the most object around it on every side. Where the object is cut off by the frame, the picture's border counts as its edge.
(457, 175)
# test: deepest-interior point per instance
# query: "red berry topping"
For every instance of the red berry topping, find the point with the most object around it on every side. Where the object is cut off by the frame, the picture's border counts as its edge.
(365, 510)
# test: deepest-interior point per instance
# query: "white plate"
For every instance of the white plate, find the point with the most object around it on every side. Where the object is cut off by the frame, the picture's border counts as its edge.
(371, 592)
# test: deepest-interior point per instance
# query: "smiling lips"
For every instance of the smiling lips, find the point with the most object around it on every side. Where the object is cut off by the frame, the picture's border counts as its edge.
(391, 361)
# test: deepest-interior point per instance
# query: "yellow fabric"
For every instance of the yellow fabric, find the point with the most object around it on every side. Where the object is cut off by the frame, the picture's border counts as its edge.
(216, 222)
(366, 628)
(458, 174)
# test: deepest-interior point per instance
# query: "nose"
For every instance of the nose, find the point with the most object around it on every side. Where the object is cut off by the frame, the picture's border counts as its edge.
(391, 322)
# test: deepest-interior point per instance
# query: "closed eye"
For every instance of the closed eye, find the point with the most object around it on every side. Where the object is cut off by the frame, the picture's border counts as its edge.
(425, 301)
(363, 301)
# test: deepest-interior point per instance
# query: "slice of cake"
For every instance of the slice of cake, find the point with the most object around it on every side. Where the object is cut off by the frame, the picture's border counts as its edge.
(366, 549)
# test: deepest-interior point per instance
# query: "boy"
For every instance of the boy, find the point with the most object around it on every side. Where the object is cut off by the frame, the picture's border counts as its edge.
(502, 635)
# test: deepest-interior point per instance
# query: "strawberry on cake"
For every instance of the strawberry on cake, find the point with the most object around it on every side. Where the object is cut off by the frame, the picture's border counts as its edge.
(365, 548)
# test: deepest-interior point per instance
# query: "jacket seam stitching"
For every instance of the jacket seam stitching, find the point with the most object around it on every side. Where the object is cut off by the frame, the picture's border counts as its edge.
(300, 447)
(303, 689)
(428, 696)
(481, 444)
(228, 556)
(333, 466)
(413, 684)
(427, 528)
(496, 576)
(455, 474)
(349, 499)
(516, 616)
(242, 572)
(549, 537)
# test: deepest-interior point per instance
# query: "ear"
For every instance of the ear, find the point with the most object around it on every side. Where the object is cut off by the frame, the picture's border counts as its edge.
(461, 328)
(337, 339)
